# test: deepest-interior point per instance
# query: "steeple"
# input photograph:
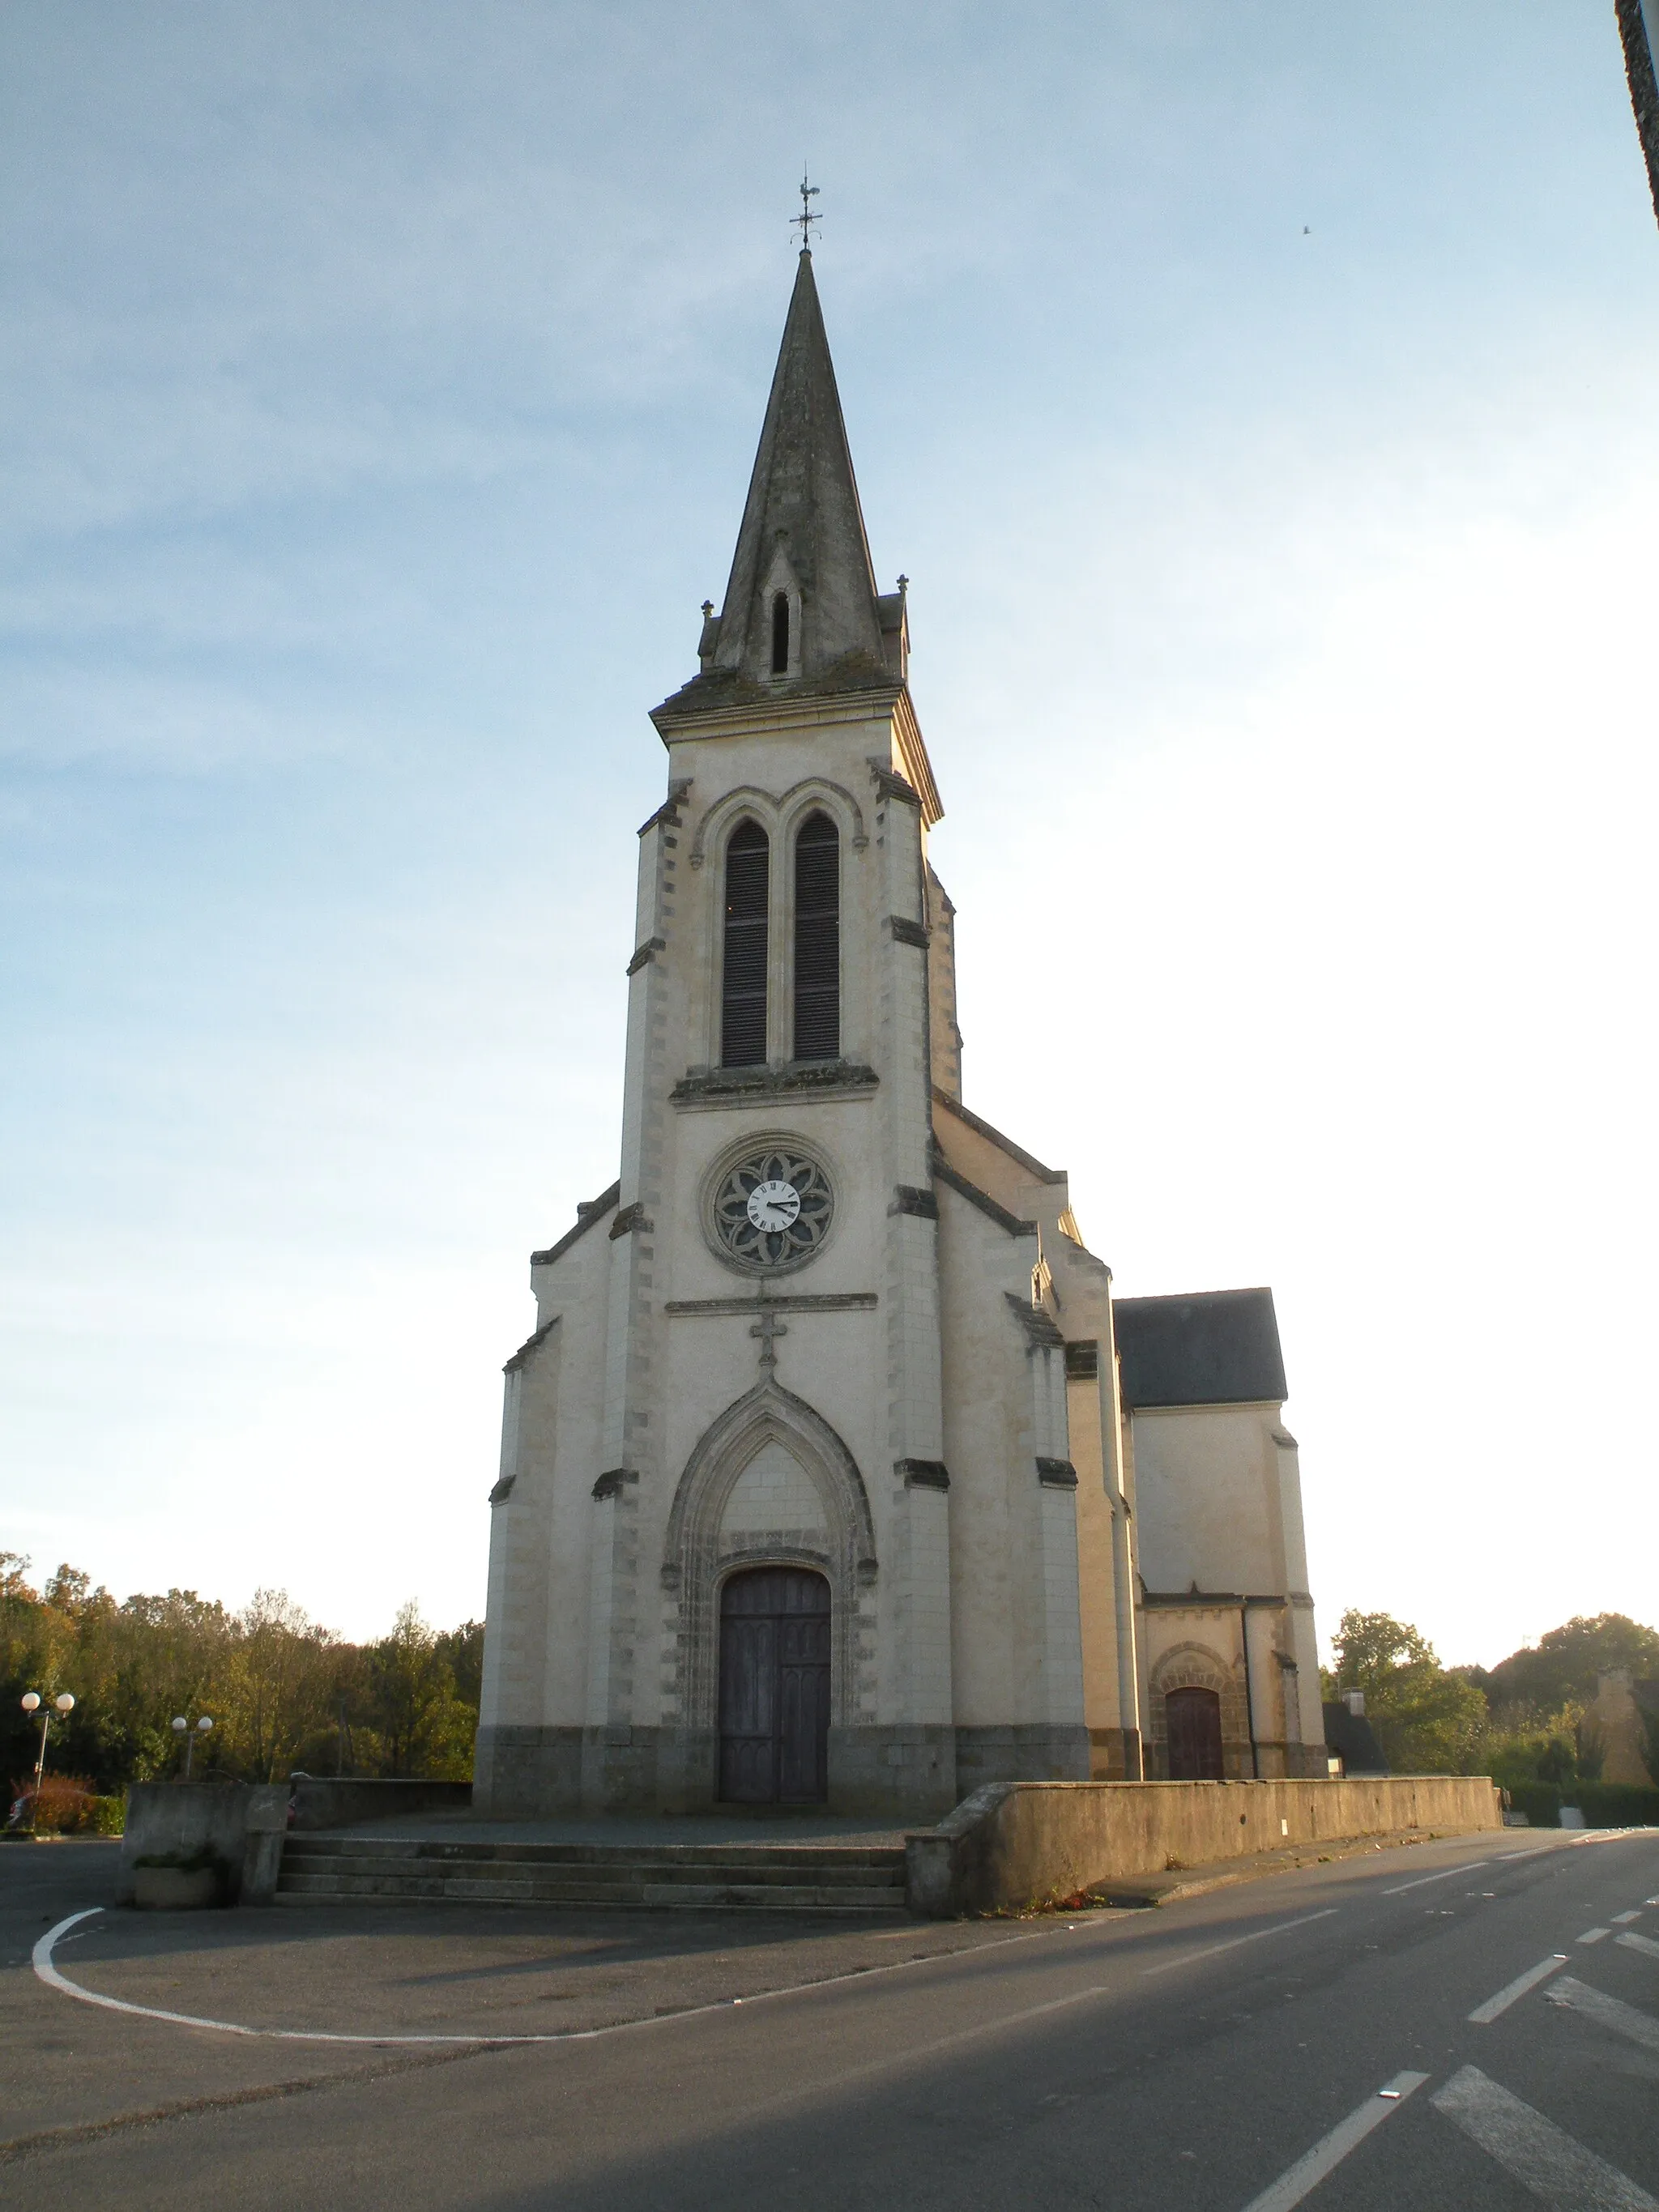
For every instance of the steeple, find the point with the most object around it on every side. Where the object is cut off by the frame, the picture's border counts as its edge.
(802, 613)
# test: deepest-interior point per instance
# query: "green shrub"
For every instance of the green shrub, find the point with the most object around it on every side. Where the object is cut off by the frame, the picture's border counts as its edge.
(1616, 1804)
(109, 1816)
(1539, 1800)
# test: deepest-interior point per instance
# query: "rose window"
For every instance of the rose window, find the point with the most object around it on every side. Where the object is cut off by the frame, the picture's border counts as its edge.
(773, 1209)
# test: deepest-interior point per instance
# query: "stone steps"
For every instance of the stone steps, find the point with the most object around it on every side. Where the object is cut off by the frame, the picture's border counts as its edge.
(685, 1877)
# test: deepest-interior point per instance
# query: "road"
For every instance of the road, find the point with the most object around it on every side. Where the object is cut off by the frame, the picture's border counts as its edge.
(1225, 2053)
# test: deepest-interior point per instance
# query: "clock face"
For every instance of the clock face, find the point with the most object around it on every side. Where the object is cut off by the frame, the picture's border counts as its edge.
(773, 1206)
(769, 1209)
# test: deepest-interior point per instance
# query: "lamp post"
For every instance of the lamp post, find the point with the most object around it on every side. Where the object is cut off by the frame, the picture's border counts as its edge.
(34, 1703)
(182, 1726)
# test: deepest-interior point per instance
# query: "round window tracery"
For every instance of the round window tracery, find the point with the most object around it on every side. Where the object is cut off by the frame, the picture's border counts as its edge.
(771, 1210)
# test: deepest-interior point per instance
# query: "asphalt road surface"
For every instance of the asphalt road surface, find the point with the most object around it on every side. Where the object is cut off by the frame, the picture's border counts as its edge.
(1471, 2024)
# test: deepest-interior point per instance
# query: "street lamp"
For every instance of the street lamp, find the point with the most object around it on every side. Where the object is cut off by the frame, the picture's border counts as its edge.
(182, 1726)
(32, 1702)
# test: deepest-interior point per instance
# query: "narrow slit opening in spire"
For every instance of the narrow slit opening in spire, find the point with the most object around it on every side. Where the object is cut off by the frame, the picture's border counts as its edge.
(780, 633)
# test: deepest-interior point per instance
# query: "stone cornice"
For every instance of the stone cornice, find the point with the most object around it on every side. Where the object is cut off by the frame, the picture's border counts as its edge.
(913, 753)
(588, 1212)
(771, 713)
(706, 1089)
(943, 1172)
(1022, 1158)
(802, 1301)
(1040, 1334)
(903, 931)
(531, 1343)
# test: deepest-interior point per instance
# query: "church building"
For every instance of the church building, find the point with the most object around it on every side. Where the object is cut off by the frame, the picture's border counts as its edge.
(832, 1473)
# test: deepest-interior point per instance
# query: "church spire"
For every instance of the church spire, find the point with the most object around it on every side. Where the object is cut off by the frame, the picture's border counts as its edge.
(801, 606)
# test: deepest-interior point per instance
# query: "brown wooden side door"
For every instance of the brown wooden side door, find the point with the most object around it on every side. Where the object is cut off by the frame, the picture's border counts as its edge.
(1194, 1726)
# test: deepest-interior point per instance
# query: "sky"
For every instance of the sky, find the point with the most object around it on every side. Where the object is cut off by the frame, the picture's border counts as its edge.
(1260, 397)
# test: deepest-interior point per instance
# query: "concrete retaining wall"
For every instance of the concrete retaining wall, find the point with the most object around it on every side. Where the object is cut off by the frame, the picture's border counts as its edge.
(243, 1821)
(1012, 1842)
(322, 1801)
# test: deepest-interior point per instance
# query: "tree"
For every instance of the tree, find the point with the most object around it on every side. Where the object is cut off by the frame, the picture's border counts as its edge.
(1561, 1668)
(277, 1684)
(421, 1726)
(281, 1690)
(1428, 1720)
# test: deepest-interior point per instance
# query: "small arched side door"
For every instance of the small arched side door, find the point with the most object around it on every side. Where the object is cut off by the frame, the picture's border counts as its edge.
(1194, 1720)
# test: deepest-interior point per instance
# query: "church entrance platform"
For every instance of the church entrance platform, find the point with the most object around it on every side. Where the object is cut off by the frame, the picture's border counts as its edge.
(737, 1862)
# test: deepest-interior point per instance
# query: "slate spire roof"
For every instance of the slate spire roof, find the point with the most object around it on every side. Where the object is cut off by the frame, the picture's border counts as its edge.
(802, 538)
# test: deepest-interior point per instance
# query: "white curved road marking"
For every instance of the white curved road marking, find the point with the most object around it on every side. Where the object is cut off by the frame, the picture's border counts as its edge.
(55, 1979)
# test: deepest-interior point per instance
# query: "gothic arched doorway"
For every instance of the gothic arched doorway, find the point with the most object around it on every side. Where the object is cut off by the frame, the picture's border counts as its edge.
(1194, 1725)
(774, 1687)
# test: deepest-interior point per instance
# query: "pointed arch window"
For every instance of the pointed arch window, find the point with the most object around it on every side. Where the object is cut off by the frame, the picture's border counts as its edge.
(818, 940)
(780, 633)
(743, 972)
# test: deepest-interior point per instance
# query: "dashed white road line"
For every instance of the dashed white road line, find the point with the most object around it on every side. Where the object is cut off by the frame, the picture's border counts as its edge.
(1329, 2152)
(1401, 1887)
(1623, 1919)
(1279, 1928)
(1593, 1935)
(1607, 2012)
(1546, 2162)
(1483, 2015)
(1644, 1944)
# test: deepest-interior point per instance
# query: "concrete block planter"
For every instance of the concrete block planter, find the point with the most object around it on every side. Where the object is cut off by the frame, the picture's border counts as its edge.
(173, 1889)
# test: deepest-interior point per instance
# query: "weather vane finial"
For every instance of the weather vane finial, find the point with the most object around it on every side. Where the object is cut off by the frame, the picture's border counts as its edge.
(806, 218)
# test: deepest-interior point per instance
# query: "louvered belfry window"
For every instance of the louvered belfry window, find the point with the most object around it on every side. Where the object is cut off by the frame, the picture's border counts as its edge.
(742, 977)
(818, 940)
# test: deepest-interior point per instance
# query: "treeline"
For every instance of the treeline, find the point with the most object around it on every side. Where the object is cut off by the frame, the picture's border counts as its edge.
(282, 1692)
(1525, 1721)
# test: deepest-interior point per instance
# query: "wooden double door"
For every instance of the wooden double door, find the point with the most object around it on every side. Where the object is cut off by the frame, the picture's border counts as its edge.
(774, 1687)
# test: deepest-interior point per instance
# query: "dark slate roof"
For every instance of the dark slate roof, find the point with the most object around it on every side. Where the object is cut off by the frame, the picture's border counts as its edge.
(804, 500)
(1351, 1736)
(1208, 1348)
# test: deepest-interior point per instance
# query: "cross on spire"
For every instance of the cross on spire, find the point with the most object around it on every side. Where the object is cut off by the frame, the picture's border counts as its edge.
(806, 218)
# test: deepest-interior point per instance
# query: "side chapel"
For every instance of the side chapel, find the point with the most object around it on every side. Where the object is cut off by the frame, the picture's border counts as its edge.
(833, 1472)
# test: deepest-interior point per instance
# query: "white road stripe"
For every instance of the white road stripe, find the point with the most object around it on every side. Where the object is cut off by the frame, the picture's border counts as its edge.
(1592, 1935)
(1401, 1887)
(1644, 1944)
(1279, 1928)
(1329, 2152)
(1549, 2164)
(1623, 1919)
(1607, 2012)
(1483, 2015)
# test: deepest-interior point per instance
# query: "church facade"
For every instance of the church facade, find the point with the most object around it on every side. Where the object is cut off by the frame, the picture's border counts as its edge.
(832, 1472)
